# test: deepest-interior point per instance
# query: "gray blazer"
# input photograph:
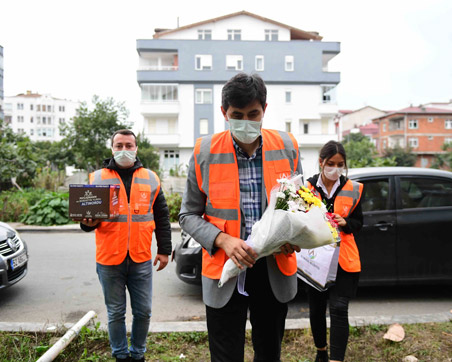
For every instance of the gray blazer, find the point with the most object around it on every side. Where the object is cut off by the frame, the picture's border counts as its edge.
(191, 220)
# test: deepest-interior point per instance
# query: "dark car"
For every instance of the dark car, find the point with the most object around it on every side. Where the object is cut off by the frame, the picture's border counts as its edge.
(13, 256)
(406, 234)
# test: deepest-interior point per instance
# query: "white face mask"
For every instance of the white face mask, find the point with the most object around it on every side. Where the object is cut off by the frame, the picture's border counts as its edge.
(244, 130)
(332, 173)
(125, 158)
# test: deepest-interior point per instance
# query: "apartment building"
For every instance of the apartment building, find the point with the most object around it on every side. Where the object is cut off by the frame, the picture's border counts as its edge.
(39, 116)
(360, 120)
(424, 129)
(182, 71)
(1, 83)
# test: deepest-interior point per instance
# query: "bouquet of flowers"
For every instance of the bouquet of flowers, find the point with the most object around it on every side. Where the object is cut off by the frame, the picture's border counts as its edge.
(295, 216)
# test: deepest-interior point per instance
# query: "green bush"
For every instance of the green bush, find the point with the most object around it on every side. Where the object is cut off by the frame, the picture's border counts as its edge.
(174, 201)
(15, 204)
(53, 209)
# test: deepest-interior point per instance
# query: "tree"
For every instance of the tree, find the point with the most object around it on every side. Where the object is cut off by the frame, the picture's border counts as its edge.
(402, 156)
(444, 160)
(147, 154)
(57, 155)
(362, 153)
(17, 158)
(89, 133)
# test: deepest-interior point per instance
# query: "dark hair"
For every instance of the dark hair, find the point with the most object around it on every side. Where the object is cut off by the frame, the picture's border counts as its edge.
(126, 132)
(242, 90)
(331, 148)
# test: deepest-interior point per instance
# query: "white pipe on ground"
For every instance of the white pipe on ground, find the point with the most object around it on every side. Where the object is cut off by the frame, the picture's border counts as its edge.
(56, 349)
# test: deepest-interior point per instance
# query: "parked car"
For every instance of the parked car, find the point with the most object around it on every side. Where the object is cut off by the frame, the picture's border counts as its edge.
(405, 237)
(13, 256)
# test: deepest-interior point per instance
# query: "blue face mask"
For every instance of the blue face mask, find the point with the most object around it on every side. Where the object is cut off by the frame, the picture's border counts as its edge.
(244, 130)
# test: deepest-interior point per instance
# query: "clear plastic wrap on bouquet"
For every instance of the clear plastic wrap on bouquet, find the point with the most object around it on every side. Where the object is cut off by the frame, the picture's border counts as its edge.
(303, 225)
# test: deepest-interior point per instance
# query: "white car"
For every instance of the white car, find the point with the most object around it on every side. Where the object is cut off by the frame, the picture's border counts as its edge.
(13, 256)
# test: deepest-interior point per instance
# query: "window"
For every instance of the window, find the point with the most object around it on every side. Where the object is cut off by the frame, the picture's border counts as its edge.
(413, 142)
(203, 96)
(289, 65)
(430, 119)
(159, 92)
(448, 140)
(288, 125)
(413, 124)
(61, 108)
(384, 144)
(49, 108)
(38, 108)
(20, 119)
(31, 107)
(44, 120)
(448, 124)
(43, 107)
(203, 126)
(62, 121)
(375, 195)
(259, 63)
(306, 127)
(32, 132)
(327, 93)
(234, 34)
(20, 106)
(31, 119)
(430, 138)
(419, 192)
(288, 96)
(204, 34)
(271, 35)
(20, 131)
(203, 62)
(234, 62)
(384, 127)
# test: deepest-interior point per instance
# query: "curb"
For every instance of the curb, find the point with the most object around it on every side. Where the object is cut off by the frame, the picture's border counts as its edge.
(70, 228)
(301, 323)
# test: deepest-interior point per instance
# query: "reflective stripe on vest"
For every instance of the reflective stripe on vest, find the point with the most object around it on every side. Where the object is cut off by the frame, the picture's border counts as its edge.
(217, 175)
(344, 204)
(132, 229)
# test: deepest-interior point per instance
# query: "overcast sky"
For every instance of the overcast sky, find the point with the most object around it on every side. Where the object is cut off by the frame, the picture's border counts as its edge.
(393, 52)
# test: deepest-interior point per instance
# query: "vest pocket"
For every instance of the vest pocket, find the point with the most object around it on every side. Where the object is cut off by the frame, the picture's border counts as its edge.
(107, 237)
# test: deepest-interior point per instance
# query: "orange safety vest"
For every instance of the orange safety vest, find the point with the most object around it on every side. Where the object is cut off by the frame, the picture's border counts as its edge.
(132, 229)
(217, 175)
(344, 204)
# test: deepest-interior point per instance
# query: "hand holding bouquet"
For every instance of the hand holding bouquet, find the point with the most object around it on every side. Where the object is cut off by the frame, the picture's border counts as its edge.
(295, 216)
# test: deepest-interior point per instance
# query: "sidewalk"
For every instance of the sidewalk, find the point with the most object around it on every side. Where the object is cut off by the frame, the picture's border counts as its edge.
(72, 228)
(301, 323)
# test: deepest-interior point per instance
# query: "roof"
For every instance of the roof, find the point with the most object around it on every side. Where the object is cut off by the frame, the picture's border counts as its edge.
(295, 33)
(386, 171)
(416, 110)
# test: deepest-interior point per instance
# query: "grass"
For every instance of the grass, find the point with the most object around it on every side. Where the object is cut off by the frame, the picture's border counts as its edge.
(427, 342)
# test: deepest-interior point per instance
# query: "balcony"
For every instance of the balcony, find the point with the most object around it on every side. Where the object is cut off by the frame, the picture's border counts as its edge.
(314, 140)
(159, 61)
(328, 108)
(158, 68)
(159, 108)
(163, 140)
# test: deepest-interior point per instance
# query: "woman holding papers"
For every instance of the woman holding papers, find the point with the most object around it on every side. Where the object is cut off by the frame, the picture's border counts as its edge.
(342, 197)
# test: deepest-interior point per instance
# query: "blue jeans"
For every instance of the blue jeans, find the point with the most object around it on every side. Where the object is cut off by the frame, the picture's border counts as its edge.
(137, 277)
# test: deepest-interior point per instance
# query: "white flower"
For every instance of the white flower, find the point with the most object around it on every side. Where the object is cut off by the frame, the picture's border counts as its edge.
(182, 356)
(293, 206)
(280, 195)
(282, 181)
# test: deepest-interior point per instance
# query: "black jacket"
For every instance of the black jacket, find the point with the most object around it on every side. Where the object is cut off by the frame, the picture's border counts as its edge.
(161, 212)
(355, 219)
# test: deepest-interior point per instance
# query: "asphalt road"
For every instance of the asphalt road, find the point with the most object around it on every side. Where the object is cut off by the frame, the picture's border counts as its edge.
(62, 285)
